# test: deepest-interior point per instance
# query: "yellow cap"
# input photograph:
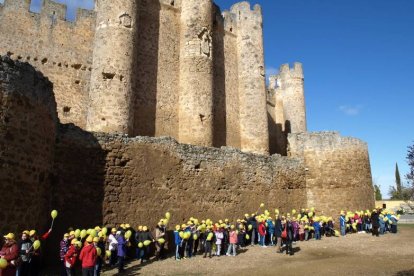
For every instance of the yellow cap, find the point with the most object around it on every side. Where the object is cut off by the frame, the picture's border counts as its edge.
(113, 230)
(127, 225)
(183, 226)
(9, 236)
(27, 232)
(89, 239)
(177, 227)
(96, 239)
(144, 228)
(74, 241)
(66, 235)
(71, 233)
(140, 228)
(32, 232)
(97, 228)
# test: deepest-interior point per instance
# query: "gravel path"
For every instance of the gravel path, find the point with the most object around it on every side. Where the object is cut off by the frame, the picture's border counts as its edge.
(357, 254)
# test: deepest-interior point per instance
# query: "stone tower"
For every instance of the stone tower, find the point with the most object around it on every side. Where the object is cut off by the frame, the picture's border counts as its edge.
(196, 73)
(254, 133)
(112, 79)
(290, 88)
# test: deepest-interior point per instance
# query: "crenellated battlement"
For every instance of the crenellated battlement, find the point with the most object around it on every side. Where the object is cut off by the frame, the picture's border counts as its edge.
(50, 10)
(286, 71)
(244, 12)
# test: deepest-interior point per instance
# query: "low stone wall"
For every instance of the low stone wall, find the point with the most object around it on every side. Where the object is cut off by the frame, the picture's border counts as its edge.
(338, 171)
(28, 122)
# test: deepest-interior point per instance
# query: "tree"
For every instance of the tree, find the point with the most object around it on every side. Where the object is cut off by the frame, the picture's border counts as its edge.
(400, 191)
(410, 175)
(378, 195)
(398, 180)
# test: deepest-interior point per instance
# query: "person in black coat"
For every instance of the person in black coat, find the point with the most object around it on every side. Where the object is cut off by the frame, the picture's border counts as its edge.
(289, 237)
(375, 223)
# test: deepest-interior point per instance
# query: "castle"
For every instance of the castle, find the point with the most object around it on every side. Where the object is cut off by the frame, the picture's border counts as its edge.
(160, 105)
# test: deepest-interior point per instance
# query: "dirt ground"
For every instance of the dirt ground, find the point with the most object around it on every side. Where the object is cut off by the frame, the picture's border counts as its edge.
(357, 254)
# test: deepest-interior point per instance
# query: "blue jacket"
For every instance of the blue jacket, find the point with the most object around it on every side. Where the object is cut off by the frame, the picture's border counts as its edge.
(342, 221)
(316, 226)
(121, 246)
(177, 238)
(270, 226)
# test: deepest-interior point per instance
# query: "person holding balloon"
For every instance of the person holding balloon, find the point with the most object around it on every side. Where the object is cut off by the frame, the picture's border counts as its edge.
(25, 252)
(8, 256)
(113, 244)
(100, 247)
(160, 230)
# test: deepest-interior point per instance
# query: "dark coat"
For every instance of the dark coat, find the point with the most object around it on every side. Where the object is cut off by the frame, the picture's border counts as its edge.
(278, 228)
(375, 219)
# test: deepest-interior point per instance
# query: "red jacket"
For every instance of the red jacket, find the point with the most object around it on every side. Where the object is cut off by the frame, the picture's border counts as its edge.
(70, 256)
(262, 229)
(88, 256)
(10, 253)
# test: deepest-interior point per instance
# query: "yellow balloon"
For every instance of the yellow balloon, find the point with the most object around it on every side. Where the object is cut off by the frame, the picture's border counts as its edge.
(250, 227)
(98, 251)
(181, 234)
(79, 244)
(140, 245)
(161, 241)
(36, 245)
(83, 233)
(147, 242)
(195, 237)
(77, 233)
(210, 236)
(168, 215)
(128, 234)
(108, 253)
(187, 235)
(247, 237)
(104, 230)
(262, 205)
(3, 263)
(54, 214)
(93, 233)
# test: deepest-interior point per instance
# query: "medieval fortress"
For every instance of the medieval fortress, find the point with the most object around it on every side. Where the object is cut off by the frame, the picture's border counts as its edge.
(160, 104)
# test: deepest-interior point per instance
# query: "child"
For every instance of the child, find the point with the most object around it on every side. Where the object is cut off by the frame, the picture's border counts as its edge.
(208, 244)
(219, 240)
(302, 231)
(178, 241)
(317, 228)
(232, 240)
(271, 230)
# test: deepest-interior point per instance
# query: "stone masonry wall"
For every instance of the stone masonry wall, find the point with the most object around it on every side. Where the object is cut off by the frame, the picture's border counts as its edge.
(61, 50)
(114, 179)
(28, 122)
(338, 171)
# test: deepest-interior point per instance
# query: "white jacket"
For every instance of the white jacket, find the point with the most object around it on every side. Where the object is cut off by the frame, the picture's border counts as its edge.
(112, 242)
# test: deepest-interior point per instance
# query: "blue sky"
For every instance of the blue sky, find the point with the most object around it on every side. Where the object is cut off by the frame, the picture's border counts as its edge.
(358, 58)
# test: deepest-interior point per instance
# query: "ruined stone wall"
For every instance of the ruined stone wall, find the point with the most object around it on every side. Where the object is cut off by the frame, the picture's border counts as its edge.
(338, 171)
(61, 50)
(156, 99)
(277, 132)
(28, 122)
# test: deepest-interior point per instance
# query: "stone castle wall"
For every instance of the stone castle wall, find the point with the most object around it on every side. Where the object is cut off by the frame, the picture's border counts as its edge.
(338, 173)
(28, 123)
(111, 179)
(61, 50)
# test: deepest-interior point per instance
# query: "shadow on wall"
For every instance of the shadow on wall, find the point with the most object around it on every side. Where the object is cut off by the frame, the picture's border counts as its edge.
(147, 59)
(219, 86)
(277, 137)
(77, 184)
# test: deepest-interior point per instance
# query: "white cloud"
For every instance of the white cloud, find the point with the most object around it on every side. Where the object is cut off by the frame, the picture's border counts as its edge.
(351, 110)
(270, 71)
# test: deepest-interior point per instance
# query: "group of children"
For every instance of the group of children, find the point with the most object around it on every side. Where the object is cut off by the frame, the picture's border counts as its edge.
(93, 248)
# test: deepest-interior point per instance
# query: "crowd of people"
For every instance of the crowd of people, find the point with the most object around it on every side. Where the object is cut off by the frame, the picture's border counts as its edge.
(92, 249)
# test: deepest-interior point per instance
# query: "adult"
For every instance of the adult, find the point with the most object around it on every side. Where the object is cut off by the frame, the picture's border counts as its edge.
(289, 236)
(9, 252)
(121, 250)
(375, 222)
(342, 223)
